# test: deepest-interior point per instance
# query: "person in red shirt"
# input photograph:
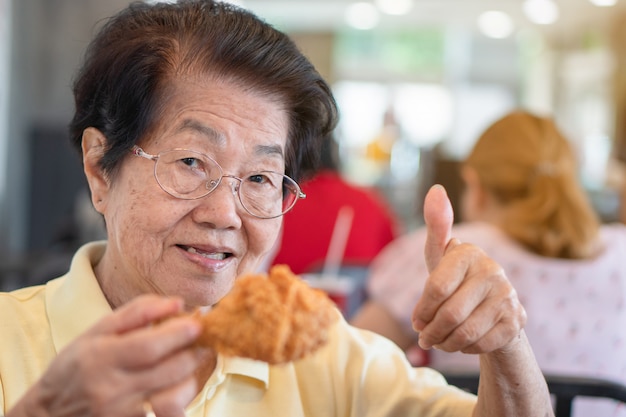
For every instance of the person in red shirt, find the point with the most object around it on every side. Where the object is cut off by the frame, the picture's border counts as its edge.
(308, 228)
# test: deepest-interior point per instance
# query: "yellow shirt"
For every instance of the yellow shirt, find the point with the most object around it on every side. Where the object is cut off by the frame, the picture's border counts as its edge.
(357, 374)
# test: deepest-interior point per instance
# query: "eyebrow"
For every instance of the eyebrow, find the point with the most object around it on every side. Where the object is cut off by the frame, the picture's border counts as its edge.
(270, 150)
(219, 139)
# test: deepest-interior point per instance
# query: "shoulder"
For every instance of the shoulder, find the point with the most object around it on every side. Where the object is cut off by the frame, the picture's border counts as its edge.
(20, 300)
(478, 231)
(613, 242)
(27, 345)
(488, 237)
(23, 312)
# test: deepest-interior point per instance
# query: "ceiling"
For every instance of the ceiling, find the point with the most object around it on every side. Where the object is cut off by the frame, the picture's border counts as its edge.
(576, 16)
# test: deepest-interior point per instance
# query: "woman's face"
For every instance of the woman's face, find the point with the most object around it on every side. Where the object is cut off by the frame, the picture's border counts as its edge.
(193, 248)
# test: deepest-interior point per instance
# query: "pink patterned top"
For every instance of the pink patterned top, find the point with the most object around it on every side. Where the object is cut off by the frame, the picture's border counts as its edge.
(576, 309)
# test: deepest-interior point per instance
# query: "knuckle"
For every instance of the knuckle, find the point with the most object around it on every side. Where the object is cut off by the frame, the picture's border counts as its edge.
(510, 303)
(511, 306)
(523, 316)
(449, 316)
(495, 274)
(466, 334)
(438, 290)
(475, 253)
(151, 352)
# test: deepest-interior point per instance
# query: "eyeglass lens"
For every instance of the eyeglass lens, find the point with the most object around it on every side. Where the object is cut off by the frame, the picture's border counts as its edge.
(189, 175)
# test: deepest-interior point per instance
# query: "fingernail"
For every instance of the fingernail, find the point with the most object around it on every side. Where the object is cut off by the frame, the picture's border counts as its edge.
(440, 187)
(418, 325)
(423, 345)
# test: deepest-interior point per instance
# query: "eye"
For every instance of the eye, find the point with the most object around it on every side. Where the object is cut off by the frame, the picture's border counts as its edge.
(265, 181)
(191, 162)
(195, 164)
(259, 178)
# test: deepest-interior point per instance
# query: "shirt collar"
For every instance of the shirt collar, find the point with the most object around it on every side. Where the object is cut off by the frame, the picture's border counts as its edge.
(249, 368)
(75, 301)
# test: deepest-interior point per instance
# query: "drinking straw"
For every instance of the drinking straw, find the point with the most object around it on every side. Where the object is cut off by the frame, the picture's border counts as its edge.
(338, 241)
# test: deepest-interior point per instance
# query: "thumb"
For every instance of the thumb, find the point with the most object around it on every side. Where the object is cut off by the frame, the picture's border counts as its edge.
(139, 312)
(438, 216)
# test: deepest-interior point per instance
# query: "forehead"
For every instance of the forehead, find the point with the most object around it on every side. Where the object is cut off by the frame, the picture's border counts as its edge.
(220, 111)
(217, 139)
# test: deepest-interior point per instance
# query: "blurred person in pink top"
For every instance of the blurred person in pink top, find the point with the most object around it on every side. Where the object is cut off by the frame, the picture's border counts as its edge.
(523, 204)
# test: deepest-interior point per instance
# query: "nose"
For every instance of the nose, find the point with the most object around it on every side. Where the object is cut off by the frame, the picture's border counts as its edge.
(221, 209)
(235, 183)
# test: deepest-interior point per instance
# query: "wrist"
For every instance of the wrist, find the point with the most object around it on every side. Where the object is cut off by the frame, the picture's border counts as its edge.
(515, 344)
(508, 359)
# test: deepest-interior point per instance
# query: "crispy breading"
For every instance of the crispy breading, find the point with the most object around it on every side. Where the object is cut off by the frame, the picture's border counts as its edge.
(275, 318)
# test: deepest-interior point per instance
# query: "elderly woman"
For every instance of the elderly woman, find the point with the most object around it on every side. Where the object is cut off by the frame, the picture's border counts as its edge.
(194, 120)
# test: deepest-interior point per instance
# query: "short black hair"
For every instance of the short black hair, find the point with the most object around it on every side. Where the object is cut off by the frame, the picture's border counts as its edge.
(120, 87)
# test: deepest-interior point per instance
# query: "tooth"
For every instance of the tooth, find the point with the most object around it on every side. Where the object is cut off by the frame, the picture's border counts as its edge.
(216, 256)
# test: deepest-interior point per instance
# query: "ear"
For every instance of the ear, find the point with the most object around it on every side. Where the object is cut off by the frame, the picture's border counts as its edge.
(94, 144)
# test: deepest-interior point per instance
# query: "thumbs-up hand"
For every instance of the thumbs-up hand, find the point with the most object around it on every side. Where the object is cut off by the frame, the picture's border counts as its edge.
(468, 304)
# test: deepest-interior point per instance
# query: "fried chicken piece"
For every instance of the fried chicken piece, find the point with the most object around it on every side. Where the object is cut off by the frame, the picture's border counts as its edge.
(275, 318)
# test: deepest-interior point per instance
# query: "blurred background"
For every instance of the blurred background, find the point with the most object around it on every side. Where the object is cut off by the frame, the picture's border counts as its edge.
(416, 82)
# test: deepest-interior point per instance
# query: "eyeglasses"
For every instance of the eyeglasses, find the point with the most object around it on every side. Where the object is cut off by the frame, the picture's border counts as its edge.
(191, 175)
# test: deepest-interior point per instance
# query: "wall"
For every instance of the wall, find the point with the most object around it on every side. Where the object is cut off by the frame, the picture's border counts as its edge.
(48, 39)
(5, 37)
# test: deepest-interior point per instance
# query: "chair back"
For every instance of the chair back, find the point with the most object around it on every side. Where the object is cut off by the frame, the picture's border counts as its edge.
(564, 388)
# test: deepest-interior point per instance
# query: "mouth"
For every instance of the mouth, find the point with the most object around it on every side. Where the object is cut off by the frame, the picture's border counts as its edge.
(216, 256)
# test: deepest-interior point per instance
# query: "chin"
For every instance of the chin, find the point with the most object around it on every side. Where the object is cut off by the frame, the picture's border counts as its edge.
(200, 295)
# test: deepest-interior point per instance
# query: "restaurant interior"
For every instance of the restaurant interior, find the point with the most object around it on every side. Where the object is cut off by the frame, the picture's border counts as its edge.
(416, 82)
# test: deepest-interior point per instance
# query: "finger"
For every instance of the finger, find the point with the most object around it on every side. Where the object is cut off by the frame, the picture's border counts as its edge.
(171, 402)
(171, 371)
(457, 318)
(149, 345)
(140, 312)
(509, 327)
(438, 216)
(498, 337)
(442, 283)
(489, 298)
(468, 331)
